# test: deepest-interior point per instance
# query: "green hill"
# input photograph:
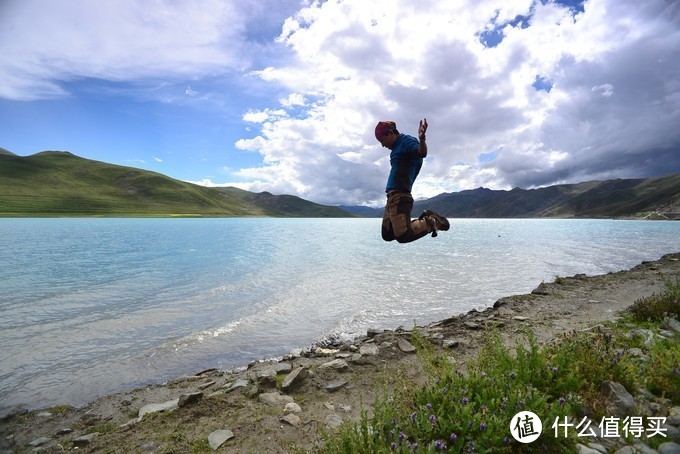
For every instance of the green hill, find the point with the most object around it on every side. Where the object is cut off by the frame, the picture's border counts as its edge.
(655, 197)
(54, 183)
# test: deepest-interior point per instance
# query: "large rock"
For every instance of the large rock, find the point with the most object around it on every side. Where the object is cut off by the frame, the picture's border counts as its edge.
(619, 401)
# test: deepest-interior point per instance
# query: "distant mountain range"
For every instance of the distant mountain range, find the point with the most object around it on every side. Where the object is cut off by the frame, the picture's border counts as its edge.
(653, 198)
(56, 183)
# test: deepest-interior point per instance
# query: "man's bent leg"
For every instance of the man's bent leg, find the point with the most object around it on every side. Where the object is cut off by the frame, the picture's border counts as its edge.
(399, 208)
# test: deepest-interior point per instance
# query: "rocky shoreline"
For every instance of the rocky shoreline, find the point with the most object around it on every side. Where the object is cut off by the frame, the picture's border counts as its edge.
(281, 406)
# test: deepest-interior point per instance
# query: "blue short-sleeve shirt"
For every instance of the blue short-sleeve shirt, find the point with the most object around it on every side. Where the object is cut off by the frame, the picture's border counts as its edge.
(406, 163)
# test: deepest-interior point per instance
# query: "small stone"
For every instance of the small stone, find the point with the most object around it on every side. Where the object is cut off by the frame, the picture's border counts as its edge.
(405, 346)
(333, 420)
(520, 318)
(335, 386)
(237, 384)
(148, 446)
(64, 431)
(670, 447)
(672, 433)
(292, 407)
(291, 419)
(671, 324)
(206, 385)
(85, 440)
(154, 408)
(188, 399)
(282, 368)
(582, 449)
(369, 349)
(39, 442)
(274, 399)
(472, 325)
(598, 447)
(372, 332)
(44, 414)
(219, 437)
(541, 290)
(335, 364)
(345, 408)
(294, 378)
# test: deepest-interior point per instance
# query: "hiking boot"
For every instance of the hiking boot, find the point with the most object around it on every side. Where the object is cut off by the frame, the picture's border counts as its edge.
(435, 221)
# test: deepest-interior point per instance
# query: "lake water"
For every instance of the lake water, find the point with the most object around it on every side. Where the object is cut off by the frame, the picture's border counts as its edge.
(93, 306)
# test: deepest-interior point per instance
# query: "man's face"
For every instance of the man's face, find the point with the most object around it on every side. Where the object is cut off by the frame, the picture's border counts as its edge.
(388, 138)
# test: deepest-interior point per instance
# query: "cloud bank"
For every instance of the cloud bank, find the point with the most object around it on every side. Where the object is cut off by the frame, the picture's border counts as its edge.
(523, 93)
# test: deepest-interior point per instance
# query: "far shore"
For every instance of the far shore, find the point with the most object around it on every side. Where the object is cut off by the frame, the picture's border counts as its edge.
(326, 394)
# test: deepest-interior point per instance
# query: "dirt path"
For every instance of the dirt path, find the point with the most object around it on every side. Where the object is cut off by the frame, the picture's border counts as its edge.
(356, 369)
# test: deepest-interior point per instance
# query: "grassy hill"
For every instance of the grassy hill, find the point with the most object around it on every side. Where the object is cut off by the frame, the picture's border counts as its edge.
(656, 197)
(54, 183)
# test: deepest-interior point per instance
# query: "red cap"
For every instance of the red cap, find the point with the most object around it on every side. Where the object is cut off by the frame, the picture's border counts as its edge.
(384, 127)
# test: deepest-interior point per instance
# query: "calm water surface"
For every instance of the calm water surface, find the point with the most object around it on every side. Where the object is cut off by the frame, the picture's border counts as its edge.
(94, 306)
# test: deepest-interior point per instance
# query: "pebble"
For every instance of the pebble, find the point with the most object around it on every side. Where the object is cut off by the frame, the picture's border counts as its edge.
(405, 346)
(219, 437)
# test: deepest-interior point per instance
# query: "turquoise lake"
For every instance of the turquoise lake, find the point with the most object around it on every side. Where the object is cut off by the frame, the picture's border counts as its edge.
(94, 306)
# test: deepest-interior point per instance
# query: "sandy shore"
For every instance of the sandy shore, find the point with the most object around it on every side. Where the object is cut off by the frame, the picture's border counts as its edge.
(359, 371)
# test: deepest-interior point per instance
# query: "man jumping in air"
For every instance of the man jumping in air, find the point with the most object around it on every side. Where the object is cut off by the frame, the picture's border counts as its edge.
(406, 159)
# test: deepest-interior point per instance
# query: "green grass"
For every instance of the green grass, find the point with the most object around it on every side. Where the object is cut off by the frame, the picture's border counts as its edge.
(472, 411)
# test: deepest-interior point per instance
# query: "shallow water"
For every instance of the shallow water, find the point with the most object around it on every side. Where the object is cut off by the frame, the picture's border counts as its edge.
(94, 306)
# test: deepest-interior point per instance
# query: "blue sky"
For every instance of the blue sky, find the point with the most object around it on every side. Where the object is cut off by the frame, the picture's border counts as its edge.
(283, 95)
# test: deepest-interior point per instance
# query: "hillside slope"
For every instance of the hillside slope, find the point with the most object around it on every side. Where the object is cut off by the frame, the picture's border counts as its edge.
(656, 197)
(54, 183)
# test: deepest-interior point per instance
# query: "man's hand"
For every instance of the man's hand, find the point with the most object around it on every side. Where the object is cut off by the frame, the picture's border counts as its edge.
(422, 129)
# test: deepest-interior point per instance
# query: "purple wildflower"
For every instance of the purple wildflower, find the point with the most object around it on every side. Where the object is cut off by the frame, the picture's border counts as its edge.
(439, 445)
(563, 401)
(402, 436)
(412, 418)
(393, 445)
(433, 419)
(429, 406)
(464, 401)
(454, 437)
(482, 426)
